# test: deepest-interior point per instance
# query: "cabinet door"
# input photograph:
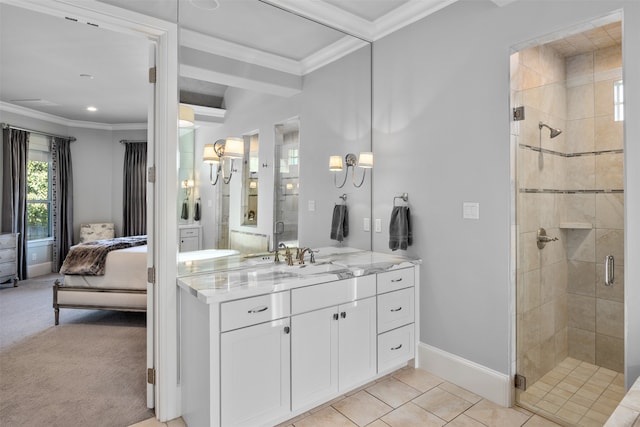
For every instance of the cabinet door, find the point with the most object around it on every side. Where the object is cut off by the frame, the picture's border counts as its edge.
(357, 342)
(254, 373)
(188, 244)
(314, 356)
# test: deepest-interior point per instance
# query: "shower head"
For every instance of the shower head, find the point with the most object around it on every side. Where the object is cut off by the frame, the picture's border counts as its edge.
(553, 131)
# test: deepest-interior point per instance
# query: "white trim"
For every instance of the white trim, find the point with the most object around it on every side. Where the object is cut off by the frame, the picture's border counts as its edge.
(408, 13)
(42, 269)
(28, 112)
(216, 113)
(492, 385)
(501, 3)
(204, 43)
(333, 52)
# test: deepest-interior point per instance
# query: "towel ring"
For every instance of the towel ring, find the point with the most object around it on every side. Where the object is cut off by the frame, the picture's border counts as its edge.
(404, 197)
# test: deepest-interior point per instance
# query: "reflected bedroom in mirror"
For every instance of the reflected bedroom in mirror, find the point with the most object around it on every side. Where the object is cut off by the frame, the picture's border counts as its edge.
(265, 120)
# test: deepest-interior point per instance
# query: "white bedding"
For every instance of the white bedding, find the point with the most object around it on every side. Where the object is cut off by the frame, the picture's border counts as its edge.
(125, 269)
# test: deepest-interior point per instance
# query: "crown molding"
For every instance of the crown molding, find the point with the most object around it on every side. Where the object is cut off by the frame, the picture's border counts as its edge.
(28, 112)
(408, 13)
(333, 52)
(209, 44)
(501, 3)
(200, 110)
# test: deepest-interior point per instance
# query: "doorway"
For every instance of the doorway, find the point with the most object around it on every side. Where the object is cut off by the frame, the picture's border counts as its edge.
(568, 141)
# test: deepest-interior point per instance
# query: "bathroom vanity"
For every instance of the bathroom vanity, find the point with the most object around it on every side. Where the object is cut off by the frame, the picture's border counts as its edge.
(265, 342)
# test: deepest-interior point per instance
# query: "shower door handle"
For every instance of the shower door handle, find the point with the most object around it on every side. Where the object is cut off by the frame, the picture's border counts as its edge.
(608, 270)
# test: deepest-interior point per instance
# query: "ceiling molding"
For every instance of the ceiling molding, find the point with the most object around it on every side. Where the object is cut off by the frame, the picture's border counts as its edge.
(408, 13)
(27, 112)
(204, 43)
(329, 15)
(201, 110)
(333, 52)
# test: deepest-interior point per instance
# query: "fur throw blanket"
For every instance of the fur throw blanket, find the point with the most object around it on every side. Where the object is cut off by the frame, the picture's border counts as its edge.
(90, 258)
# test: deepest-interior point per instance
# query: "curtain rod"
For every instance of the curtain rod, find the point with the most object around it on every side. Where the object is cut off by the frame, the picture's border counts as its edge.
(8, 126)
(133, 141)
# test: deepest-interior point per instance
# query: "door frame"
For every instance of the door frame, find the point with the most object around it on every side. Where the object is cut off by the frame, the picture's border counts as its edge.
(162, 137)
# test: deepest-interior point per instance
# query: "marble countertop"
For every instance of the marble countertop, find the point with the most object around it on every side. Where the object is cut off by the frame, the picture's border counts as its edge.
(229, 278)
(627, 414)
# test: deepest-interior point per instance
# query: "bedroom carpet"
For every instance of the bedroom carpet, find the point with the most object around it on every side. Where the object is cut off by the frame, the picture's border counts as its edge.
(89, 370)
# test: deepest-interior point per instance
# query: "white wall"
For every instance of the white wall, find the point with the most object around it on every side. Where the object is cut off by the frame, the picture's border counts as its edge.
(441, 133)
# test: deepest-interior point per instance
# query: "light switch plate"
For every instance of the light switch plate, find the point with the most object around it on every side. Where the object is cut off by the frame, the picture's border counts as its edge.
(311, 206)
(470, 210)
(378, 225)
(366, 224)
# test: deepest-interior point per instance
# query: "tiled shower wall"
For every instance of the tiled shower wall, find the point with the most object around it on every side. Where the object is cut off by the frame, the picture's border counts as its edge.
(572, 187)
(596, 312)
(541, 274)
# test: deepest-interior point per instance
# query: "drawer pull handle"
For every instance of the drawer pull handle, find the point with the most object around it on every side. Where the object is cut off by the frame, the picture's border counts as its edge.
(286, 329)
(335, 316)
(396, 309)
(397, 348)
(343, 314)
(258, 310)
(396, 280)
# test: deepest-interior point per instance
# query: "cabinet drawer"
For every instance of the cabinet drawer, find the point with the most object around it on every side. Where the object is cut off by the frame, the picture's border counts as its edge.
(395, 279)
(7, 269)
(250, 311)
(8, 241)
(189, 232)
(395, 348)
(395, 309)
(7, 255)
(332, 293)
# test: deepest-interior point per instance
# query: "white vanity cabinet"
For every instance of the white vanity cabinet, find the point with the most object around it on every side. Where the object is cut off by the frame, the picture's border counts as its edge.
(262, 359)
(332, 350)
(254, 360)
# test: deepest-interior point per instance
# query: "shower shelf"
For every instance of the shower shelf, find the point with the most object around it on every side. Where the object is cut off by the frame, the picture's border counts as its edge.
(577, 225)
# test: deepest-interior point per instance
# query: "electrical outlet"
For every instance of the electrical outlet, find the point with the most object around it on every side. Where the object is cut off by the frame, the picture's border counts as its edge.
(378, 225)
(311, 205)
(34, 257)
(366, 224)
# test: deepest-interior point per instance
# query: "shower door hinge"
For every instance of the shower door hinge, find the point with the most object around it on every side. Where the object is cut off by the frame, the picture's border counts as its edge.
(520, 382)
(151, 376)
(151, 174)
(151, 275)
(518, 114)
(152, 75)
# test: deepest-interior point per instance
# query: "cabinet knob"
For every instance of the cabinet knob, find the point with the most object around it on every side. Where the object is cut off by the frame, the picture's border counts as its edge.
(286, 329)
(335, 316)
(343, 314)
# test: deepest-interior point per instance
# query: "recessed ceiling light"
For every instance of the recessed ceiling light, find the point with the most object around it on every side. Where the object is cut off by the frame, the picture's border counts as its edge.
(92, 108)
(86, 76)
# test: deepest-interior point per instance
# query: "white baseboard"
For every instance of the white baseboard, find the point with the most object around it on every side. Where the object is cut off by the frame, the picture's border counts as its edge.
(35, 270)
(491, 385)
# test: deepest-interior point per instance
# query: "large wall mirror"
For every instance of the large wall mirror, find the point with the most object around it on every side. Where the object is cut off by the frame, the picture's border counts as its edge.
(293, 92)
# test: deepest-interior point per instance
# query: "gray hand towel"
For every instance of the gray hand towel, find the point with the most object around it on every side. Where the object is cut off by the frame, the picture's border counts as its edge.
(339, 223)
(400, 236)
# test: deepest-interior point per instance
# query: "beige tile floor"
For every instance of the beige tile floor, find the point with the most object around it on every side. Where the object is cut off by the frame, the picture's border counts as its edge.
(408, 397)
(577, 393)
(413, 397)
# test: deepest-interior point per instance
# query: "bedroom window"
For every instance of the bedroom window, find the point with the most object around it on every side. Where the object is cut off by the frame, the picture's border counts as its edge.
(39, 189)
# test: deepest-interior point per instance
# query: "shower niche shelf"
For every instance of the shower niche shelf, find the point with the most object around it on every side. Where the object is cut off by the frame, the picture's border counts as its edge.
(576, 225)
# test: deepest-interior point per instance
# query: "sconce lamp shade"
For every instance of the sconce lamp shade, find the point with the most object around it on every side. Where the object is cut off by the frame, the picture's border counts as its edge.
(234, 148)
(335, 163)
(209, 155)
(187, 116)
(365, 160)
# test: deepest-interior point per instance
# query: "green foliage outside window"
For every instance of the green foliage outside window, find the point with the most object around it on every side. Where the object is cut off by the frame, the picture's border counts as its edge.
(38, 200)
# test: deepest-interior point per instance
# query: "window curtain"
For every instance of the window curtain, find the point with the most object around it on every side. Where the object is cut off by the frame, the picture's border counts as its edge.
(15, 145)
(134, 204)
(62, 199)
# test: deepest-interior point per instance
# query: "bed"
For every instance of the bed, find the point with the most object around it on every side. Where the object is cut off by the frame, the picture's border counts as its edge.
(122, 285)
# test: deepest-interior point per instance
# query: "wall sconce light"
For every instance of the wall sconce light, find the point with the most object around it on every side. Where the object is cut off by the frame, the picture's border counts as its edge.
(186, 117)
(221, 150)
(364, 161)
(187, 185)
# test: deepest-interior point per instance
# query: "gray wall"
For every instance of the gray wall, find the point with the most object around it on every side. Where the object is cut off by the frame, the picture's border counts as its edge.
(441, 133)
(334, 110)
